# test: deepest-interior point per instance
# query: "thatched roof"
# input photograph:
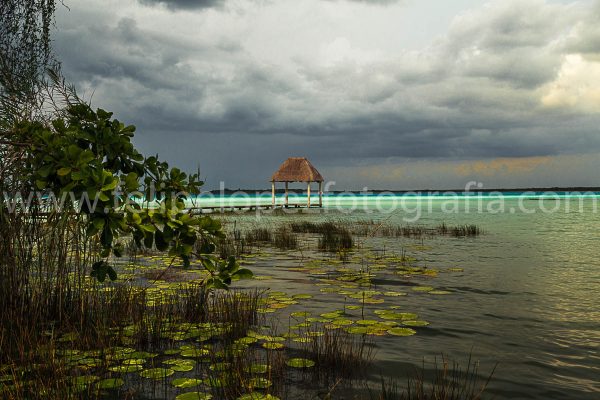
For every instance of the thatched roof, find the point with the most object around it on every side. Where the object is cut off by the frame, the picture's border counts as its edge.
(297, 169)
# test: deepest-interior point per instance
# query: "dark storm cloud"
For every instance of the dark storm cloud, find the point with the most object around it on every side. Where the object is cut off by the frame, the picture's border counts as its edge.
(474, 93)
(184, 4)
(200, 4)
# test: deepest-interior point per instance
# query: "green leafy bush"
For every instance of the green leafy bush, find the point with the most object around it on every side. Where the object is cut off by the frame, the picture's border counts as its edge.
(86, 159)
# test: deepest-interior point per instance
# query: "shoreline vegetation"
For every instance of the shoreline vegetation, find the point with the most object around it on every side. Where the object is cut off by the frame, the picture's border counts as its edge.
(159, 333)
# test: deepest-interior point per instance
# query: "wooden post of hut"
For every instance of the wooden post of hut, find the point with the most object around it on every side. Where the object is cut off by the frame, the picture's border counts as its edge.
(297, 169)
(273, 191)
(320, 194)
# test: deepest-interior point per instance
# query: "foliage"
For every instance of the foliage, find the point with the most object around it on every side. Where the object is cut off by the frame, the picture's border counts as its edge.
(87, 160)
(25, 54)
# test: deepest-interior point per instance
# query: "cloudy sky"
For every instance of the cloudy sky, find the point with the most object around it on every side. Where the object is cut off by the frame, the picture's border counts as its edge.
(388, 94)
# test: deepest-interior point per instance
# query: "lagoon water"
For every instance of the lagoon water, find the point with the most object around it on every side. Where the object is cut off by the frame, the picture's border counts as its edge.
(527, 298)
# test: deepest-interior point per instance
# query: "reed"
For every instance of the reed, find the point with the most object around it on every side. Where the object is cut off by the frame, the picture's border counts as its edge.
(447, 381)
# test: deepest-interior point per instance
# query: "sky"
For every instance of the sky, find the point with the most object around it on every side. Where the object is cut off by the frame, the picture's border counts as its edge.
(378, 94)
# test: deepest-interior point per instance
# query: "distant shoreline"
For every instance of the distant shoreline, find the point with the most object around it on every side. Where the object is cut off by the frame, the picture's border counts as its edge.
(420, 191)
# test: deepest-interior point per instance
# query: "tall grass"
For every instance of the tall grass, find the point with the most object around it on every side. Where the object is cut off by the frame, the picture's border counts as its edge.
(447, 381)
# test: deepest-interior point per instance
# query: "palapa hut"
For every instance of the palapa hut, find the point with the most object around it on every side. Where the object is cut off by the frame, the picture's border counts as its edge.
(297, 169)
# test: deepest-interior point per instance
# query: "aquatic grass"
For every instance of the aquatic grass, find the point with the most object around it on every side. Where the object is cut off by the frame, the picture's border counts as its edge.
(446, 381)
(382, 229)
(285, 239)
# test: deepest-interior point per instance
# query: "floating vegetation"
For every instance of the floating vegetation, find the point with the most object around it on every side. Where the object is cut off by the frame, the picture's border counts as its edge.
(422, 289)
(273, 345)
(401, 332)
(242, 344)
(300, 363)
(440, 292)
(186, 382)
(415, 323)
(194, 396)
(156, 373)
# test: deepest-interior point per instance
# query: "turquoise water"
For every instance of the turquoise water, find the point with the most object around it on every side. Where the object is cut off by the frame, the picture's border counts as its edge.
(527, 298)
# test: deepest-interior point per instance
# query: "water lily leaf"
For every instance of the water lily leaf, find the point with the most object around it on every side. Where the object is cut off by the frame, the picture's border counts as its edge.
(186, 382)
(399, 316)
(124, 369)
(422, 288)
(357, 330)
(134, 361)
(342, 322)
(273, 345)
(332, 315)
(247, 340)
(401, 331)
(394, 294)
(367, 322)
(182, 367)
(415, 323)
(300, 363)
(194, 396)
(156, 373)
(195, 352)
(300, 314)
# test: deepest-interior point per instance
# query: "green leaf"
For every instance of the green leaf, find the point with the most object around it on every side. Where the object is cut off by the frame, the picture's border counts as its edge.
(243, 273)
(112, 274)
(159, 240)
(111, 185)
(107, 236)
(63, 171)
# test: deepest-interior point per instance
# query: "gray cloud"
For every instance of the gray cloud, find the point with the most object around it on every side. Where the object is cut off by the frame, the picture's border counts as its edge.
(473, 93)
(184, 4)
(200, 4)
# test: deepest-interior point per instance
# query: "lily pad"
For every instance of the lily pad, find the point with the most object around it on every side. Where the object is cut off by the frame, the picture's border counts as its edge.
(415, 323)
(401, 331)
(194, 396)
(300, 363)
(186, 382)
(125, 369)
(300, 314)
(195, 352)
(422, 288)
(273, 345)
(156, 373)
(357, 330)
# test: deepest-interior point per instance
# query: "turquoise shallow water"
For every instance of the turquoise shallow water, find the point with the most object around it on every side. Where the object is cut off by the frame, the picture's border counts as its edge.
(527, 298)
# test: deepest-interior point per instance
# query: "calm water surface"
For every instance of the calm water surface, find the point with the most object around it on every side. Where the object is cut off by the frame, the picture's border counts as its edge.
(528, 298)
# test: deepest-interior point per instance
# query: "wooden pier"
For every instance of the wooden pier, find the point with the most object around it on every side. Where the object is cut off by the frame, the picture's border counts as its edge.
(256, 207)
